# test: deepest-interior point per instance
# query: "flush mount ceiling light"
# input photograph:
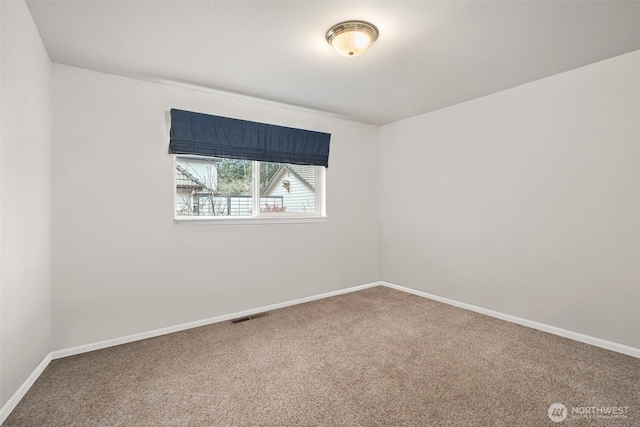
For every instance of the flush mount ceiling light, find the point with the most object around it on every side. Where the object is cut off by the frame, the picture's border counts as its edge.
(352, 38)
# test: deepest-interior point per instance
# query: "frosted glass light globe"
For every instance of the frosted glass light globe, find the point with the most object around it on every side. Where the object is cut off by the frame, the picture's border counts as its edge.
(352, 38)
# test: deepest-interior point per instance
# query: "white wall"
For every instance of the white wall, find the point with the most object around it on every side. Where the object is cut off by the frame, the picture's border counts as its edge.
(525, 202)
(123, 271)
(25, 187)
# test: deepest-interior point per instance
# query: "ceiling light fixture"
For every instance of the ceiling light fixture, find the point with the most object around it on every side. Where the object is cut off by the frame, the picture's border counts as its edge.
(352, 38)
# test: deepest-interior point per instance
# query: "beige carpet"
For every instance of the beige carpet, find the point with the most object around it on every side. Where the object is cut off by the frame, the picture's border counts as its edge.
(377, 357)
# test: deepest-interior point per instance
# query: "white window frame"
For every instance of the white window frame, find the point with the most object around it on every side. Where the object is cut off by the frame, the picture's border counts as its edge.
(257, 217)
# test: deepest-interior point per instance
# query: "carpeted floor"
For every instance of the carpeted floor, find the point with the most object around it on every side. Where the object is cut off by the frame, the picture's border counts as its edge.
(377, 357)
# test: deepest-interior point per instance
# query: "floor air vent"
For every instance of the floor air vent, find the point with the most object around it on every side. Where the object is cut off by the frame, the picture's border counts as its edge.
(253, 316)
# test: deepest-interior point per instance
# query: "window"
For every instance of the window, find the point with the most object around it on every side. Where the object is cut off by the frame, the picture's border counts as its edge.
(222, 189)
(232, 170)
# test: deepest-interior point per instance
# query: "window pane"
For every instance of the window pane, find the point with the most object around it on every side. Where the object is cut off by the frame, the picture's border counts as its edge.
(287, 188)
(209, 186)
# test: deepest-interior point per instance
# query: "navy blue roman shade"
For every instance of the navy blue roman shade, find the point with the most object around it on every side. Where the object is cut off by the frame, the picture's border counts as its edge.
(206, 135)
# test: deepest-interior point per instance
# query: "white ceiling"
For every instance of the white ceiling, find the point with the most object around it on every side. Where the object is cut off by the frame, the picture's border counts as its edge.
(429, 54)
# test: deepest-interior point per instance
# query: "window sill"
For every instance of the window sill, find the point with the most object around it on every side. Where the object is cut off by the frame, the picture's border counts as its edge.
(250, 220)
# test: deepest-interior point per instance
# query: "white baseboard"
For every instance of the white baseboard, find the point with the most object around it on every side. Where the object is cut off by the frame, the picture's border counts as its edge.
(598, 342)
(184, 326)
(609, 345)
(11, 404)
(19, 394)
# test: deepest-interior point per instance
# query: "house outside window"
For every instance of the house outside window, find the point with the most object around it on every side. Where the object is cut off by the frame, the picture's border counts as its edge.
(221, 188)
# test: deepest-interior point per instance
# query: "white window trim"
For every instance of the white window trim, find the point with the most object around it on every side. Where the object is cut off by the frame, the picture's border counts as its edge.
(250, 220)
(260, 218)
